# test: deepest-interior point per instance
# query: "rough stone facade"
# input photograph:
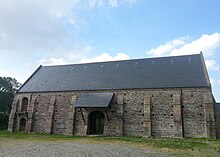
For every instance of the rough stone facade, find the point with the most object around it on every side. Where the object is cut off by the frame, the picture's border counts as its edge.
(217, 117)
(170, 112)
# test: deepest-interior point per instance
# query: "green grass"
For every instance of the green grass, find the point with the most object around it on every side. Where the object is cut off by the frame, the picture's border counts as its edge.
(164, 142)
(182, 147)
(36, 136)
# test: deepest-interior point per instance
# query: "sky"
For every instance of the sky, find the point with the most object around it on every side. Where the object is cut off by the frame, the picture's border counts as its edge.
(54, 32)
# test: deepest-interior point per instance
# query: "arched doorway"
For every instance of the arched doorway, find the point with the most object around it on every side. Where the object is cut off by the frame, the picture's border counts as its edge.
(96, 123)
(22, 124)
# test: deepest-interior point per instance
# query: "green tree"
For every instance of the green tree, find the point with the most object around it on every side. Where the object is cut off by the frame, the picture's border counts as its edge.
(8, 88)
(3, 120)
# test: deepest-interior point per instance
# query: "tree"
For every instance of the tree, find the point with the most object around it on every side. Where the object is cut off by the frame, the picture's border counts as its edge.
(3, 121)
(8, 88)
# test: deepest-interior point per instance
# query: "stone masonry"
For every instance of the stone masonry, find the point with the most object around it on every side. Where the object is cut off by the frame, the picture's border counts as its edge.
(170, 112)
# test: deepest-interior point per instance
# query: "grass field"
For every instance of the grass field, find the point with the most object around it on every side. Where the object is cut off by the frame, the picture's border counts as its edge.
(180, 147)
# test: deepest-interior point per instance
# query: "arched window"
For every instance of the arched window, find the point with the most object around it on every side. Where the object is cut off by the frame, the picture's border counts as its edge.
(96, 123)
(24, 104)
(22, 124)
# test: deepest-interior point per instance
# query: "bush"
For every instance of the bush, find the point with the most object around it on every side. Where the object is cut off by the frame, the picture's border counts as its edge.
(4, 120)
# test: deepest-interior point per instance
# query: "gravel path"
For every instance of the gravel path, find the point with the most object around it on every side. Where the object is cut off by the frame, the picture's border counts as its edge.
(75, 149)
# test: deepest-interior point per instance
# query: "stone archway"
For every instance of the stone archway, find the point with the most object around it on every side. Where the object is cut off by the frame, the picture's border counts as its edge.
(22, 124)
(96, 123)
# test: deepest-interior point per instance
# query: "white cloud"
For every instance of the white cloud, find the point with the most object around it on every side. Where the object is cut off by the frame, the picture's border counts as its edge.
(113, 3)
(41, 26)
(166, 48)
(180, 46)
(117, 3)
(35, 26)
(212, 65)
(94, 3)
(131, 1)
(4, 73)
(206, 43)
(105, 57)
(62, 61)
(214, 81)
(53, 61)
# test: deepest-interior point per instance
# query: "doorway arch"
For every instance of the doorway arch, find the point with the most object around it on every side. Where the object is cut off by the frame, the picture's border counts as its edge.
(22, 124)
(96, 123)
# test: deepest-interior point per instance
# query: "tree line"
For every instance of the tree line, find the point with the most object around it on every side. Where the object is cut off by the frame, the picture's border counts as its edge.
(8, 88)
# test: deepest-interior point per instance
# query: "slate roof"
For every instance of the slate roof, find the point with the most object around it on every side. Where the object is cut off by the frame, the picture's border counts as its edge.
(94, 100)
(162, 72)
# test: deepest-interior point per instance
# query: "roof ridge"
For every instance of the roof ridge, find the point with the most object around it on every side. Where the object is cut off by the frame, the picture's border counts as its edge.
(127, 60)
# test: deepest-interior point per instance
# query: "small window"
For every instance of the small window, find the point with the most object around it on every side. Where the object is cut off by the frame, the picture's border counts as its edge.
(189, 60)
(171, 61)
(24, 104)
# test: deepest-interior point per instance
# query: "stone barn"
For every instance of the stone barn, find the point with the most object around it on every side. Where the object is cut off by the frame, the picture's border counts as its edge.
(152, 97)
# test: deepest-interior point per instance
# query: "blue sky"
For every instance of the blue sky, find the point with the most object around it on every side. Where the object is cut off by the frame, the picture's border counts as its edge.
(51, 32)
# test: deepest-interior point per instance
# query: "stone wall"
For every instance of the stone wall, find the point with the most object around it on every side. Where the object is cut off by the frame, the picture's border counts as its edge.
(60, 114)
(217, 114)
(173, 112)
(193, 113)
(40, 115)
(162, 116)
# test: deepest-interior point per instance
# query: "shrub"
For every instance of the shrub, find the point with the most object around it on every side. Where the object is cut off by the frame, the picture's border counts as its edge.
(3, 120)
